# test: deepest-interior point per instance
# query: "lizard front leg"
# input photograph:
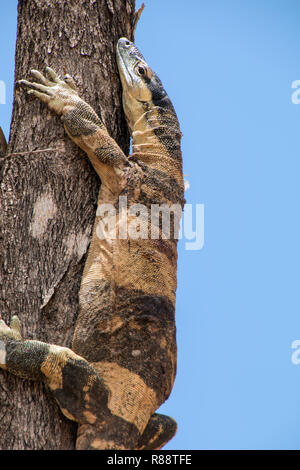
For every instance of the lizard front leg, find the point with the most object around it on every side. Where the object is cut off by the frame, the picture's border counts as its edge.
(81, 123)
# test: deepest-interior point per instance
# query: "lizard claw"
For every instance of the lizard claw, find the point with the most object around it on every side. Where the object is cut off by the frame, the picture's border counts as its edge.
(52, 75)
(70, 81)
(40, 77)
(36, 86)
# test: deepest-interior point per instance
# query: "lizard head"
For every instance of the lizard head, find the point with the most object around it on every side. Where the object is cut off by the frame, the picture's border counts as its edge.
(142, 89)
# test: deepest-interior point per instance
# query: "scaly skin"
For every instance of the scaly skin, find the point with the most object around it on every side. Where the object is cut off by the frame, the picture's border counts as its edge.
(122, 364)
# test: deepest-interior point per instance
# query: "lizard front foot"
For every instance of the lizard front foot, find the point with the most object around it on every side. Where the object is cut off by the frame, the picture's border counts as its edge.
(60, 95)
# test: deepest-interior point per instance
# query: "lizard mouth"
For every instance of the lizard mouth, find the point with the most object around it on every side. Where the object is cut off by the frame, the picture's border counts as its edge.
(123, 53)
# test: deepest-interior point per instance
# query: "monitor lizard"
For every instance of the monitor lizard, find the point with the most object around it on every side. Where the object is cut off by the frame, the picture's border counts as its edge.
(122, 364)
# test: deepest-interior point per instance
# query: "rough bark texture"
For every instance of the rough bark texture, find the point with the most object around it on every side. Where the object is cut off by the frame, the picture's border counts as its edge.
(48, 199)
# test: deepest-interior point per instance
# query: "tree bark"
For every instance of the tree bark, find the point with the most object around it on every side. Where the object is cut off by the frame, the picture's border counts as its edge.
(48, 197)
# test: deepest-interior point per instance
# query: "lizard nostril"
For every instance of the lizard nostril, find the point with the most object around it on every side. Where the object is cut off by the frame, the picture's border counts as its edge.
(124, 42)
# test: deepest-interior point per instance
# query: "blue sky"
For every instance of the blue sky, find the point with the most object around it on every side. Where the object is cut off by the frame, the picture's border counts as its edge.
(228, 68)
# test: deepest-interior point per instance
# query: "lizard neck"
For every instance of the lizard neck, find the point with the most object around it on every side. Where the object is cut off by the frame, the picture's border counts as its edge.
(156, 139)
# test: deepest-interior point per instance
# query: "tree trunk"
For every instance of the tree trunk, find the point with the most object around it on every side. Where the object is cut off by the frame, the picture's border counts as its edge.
(48, 197)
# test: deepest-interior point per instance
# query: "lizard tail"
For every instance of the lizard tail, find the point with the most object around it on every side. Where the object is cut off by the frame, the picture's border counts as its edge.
(159, 431)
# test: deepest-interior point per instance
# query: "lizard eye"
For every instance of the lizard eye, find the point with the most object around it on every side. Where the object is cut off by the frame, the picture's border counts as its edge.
(141, 70)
